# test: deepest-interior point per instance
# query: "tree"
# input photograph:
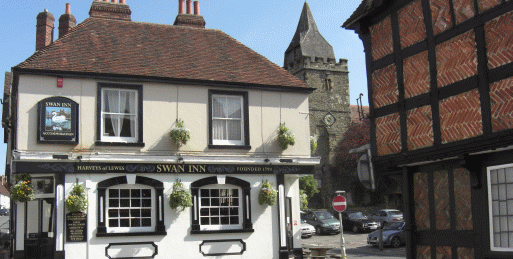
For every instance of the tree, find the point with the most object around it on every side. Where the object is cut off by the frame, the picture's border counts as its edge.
(309, 185)
(344, 170)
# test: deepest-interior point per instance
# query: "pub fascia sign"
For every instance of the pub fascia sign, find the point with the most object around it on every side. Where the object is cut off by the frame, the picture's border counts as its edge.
(58, 121)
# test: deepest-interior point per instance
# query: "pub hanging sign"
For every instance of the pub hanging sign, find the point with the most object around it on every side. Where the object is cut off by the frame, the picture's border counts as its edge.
(58, 121)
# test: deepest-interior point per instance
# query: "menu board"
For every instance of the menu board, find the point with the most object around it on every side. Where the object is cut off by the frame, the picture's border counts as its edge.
(76, 227)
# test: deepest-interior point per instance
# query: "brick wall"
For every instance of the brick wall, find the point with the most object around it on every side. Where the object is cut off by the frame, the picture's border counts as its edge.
(499, 40)
(384, 84)
(381, 38)
(416, 75)
(463, 10)
(442, 207)
(411, 24)
(421, 198)
(460, 117)
(456, 59)
(388, 134)
(484, 5)
(501, 99)
(420, 127)
(462, 199)
(440, 15)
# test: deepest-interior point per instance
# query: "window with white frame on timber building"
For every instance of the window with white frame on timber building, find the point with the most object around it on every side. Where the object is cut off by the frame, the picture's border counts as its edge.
(220, 207)
(130, 208)
(500, 195)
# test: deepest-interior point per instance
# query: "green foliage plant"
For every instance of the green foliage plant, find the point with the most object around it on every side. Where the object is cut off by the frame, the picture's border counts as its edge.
(179, 134)
(22, 191)
(309, 185)
(267, 194)
(180, 199)
(313, 144)
(285, 137)
(303, 200)
(77, 199)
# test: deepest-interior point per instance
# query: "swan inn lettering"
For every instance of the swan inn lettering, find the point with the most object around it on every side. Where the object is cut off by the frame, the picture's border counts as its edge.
(58, 120)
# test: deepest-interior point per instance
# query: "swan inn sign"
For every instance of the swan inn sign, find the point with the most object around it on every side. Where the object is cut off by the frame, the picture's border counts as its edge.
(58, 121)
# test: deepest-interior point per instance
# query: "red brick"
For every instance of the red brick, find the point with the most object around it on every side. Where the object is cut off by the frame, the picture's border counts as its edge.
(442, 207)
(388, 134)
(484, 5)
(384, 86)
(423, 252)
(443, 252)
(463, 10)
(411, 24)
(381, 38)
(421, 198)
(462, 199)
(456, 59)
(501, 100)
(416, 75)
(465, 253)
(440, 14)
(420, 127)
(460, 117)
(499, 40)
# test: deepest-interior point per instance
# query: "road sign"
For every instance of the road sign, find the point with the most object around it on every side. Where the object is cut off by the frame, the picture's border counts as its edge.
(339, 203)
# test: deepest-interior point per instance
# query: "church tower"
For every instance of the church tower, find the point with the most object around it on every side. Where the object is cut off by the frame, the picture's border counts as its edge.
(312, 59)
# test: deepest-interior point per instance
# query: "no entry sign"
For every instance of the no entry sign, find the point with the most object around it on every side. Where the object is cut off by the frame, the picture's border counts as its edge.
(339, 203)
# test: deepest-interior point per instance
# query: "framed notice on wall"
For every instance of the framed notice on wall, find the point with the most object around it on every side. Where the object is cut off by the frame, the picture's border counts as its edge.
(76, 227)
(58, 121)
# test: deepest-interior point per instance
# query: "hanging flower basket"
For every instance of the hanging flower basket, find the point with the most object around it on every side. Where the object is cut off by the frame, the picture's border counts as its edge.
(267, 194)
(180, 199)
(77, 199)
(22, 191)
(179, 134)
(285, 137)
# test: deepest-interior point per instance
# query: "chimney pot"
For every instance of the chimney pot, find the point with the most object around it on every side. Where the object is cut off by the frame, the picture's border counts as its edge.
(122, 1)
(196, 8)
(114, 1)
(189, 6)
(44, 29)
(68, 8)
(67, 21)
(181, 6)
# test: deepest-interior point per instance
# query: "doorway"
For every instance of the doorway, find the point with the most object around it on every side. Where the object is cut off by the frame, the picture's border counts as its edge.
(39, 226)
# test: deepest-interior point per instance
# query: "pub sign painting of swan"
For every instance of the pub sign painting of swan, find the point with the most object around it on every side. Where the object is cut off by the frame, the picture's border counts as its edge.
(58, 119)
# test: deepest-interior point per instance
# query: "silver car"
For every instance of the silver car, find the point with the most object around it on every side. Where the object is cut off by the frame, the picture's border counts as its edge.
(386, 216)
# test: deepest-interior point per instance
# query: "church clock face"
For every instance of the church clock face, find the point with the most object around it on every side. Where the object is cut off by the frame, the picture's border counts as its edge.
(329, 119)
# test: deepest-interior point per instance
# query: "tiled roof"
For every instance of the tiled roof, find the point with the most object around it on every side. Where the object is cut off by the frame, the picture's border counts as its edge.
(354, 112)
(118, 47)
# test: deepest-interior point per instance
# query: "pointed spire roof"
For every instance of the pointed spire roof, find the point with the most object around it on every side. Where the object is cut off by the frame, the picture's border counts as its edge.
(308, 40)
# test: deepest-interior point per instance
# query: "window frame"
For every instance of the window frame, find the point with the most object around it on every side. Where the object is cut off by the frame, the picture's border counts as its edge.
(120, 141)
(239, 207)
(490, 206)
(244, 205)
(151, 228)
(219, 144)
(158, 214)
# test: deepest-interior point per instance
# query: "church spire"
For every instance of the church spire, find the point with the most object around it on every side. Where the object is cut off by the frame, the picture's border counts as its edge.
(307, 40)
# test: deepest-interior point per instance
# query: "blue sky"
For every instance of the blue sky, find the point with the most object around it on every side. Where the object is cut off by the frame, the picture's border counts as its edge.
(266, 26)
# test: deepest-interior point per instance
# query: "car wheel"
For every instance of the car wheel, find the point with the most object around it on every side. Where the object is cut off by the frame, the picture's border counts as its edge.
(318, 230)
(396, 242)
(355, 229)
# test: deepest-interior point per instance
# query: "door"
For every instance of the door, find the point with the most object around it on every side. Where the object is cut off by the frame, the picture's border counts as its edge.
(288, 215)
(39, 225)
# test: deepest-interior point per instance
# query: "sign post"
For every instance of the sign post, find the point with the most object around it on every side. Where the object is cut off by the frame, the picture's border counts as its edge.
(339, 204)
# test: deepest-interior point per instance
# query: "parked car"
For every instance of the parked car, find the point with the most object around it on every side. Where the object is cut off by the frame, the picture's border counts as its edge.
(323, 221)
(386, 216)
(307, 230)
(393, 235)
(356, 222)
(4, 212)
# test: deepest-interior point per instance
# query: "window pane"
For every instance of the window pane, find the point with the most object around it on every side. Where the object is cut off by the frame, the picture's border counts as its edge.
(234, 107)
(501, 176)
(205, 193)
(235, 193)
(235, 202)
(113, 223)
(214, 202)
(214, 193)
(136, 203)
(124, 203)
(234, 211)
(124, 213)
(225, 220)
(111, 101)
(204, 212)
(218, 109)
(113, 213)
(214, 221)
(146, 203)
(224, 211)
(127, 126)
(205, 221)
(136, 222)
(219, 129)
(135, 193)
(113, 193)
(146, 192)
(146, 222)
(124, 193)
(124, 223)
(146, 213)
(205, 202)
(234, 130)
(214, 212)
(113, 203)
(109, 122)
(234, 220)
(135, 213)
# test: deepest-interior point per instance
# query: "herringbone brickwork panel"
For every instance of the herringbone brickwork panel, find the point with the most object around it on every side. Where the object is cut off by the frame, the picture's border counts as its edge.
(462, 199)
(463, 10)
(411, 24)
(423, 252)
(440, 14)
(442, 207)
(421, 201)
(465, 253)
(501, 100)
(443, 252)
(388, 134)
(420, 127)
(460, 117)
(499, 40)
(384, 86)
(484, 5)
(381, 38)
(456, 59)
(416, 75)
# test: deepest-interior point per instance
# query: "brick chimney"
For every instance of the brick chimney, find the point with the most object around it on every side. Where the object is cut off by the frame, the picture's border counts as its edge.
(110, 10)
(44, 29)
(189, 19)
(67, 21)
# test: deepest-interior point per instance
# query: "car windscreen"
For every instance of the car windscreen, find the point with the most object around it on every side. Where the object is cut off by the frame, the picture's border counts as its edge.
(395, 226)
(357, 215)
(324, 215)
(395, 212)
